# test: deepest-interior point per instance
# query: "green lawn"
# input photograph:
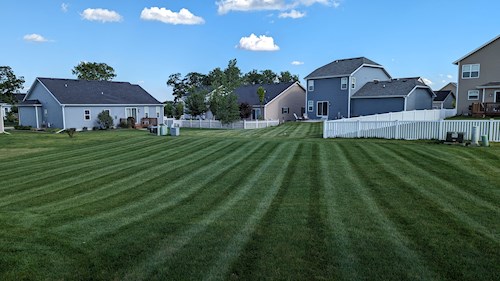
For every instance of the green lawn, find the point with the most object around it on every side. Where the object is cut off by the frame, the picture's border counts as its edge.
(279, 203)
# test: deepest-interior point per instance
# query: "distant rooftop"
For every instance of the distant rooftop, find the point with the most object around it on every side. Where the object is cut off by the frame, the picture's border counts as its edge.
(399, 87)
(340, 67)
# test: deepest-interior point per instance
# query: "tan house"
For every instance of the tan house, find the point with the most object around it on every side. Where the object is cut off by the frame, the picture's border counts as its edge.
(281, 100)
(445, 97)
(479, 80)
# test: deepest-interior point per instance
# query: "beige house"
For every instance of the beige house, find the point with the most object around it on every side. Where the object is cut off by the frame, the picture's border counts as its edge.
(445, 97)
(281, 100)
(479, 79)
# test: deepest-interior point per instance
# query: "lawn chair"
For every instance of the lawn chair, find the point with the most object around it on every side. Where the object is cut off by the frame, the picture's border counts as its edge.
(297, 118)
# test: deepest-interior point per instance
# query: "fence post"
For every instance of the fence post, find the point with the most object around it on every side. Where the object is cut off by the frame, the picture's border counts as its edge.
(257, 123)
(358, 132)
(440, 129)
(490, 130)
(244, 124)
(396, 128)
(324, 129)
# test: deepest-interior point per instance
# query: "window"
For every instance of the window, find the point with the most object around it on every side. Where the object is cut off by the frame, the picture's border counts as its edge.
(310, 85)
(473, 95)
(310, 105)
(470, 71)
(322, 108)
(343, 83)
(284, 110)
(86, 114)
(158, 112)
(131, 112)
(146, 112)
(353, 82)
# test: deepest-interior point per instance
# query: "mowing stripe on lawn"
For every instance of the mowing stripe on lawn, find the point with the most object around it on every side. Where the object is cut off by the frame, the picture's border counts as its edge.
(179, 241)
(221, 267)
(413, 264)
(101, 192)
(205, 174)
(441, 201)
(339, 241)
(67, 182)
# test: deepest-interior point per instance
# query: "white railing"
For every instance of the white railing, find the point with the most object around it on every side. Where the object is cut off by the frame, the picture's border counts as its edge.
(414, 115)
(216, 124)
(410, 130)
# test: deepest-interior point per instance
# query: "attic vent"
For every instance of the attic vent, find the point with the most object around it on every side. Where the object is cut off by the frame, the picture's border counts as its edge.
(102, 93)
(383, 86)
(66, 85)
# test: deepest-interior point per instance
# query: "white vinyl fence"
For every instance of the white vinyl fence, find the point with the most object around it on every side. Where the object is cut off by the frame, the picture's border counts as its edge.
(216, 124)
(410, 130)
(414, 115)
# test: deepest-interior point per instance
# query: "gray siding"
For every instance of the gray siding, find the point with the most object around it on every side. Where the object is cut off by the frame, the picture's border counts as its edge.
(368, 74)
(75, 114)
(369, 106)
(418, 100)
(329, 90)
(27, 116)
(51, 110)
(449, 102)
(489, 59)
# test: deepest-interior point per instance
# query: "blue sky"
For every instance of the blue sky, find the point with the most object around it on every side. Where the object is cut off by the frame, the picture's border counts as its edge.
(147, 40)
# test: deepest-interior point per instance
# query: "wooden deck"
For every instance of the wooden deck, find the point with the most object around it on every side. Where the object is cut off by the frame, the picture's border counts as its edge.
(483, 109)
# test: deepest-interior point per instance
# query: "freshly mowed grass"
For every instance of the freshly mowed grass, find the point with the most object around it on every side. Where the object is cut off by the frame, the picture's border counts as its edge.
(278, 203)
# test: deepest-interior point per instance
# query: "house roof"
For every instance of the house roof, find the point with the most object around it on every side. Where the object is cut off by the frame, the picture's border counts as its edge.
(29, 103)
(248, 93)
(71, 91)
(340, 67)
(442, 95)
(400, 87)
(482, 46)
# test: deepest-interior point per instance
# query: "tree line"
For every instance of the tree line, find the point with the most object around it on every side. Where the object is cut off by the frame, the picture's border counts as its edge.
(215, 91)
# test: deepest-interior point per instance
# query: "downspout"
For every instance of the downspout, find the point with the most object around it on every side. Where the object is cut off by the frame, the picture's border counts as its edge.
(484, 93)
(64, 117)
(404, 109)
(349, 96)
(36, 117)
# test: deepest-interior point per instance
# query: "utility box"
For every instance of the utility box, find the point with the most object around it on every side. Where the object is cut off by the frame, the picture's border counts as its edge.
(455, 137)
(174, 131)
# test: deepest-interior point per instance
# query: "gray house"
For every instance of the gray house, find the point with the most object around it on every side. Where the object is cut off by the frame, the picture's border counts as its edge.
(402, 94)
(281, 101)
(337, 90)
(479, 77)
(445, 97)
(69, 103)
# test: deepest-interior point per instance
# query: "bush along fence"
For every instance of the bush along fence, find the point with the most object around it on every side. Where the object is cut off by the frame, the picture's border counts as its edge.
(216, 124)
(410, 130)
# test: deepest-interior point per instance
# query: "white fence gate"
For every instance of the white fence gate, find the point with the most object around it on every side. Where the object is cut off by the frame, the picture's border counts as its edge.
(410, 130)
(216, 124)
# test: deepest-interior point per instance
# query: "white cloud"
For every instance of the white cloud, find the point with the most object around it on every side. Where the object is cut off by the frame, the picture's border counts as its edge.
(296, 62)
(449, 76)
(258, 43)
(102, 15)
(35, 38)
(226, 6)
(427, 81)
(294, 14)
(184, 16)
(64, 7)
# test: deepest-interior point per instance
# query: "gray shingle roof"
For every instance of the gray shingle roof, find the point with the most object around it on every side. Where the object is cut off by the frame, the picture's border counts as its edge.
(249, 95)
(490, 84)
(340, 67)
(70, 91)
(442, 95)
(400, 87)
(29, 102)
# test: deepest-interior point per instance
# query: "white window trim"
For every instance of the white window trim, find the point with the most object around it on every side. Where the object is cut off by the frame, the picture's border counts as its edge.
(470, 70)
(353, 82)
(310, 85)
(343, 86)
(317, 103)
(310, 106)
(158, 112)
(469, 94)
(136, 112)
(85, 115)
(495, 96)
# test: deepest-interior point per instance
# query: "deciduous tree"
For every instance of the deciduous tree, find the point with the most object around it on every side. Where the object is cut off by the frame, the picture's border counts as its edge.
(9, 84)
(94, 71)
